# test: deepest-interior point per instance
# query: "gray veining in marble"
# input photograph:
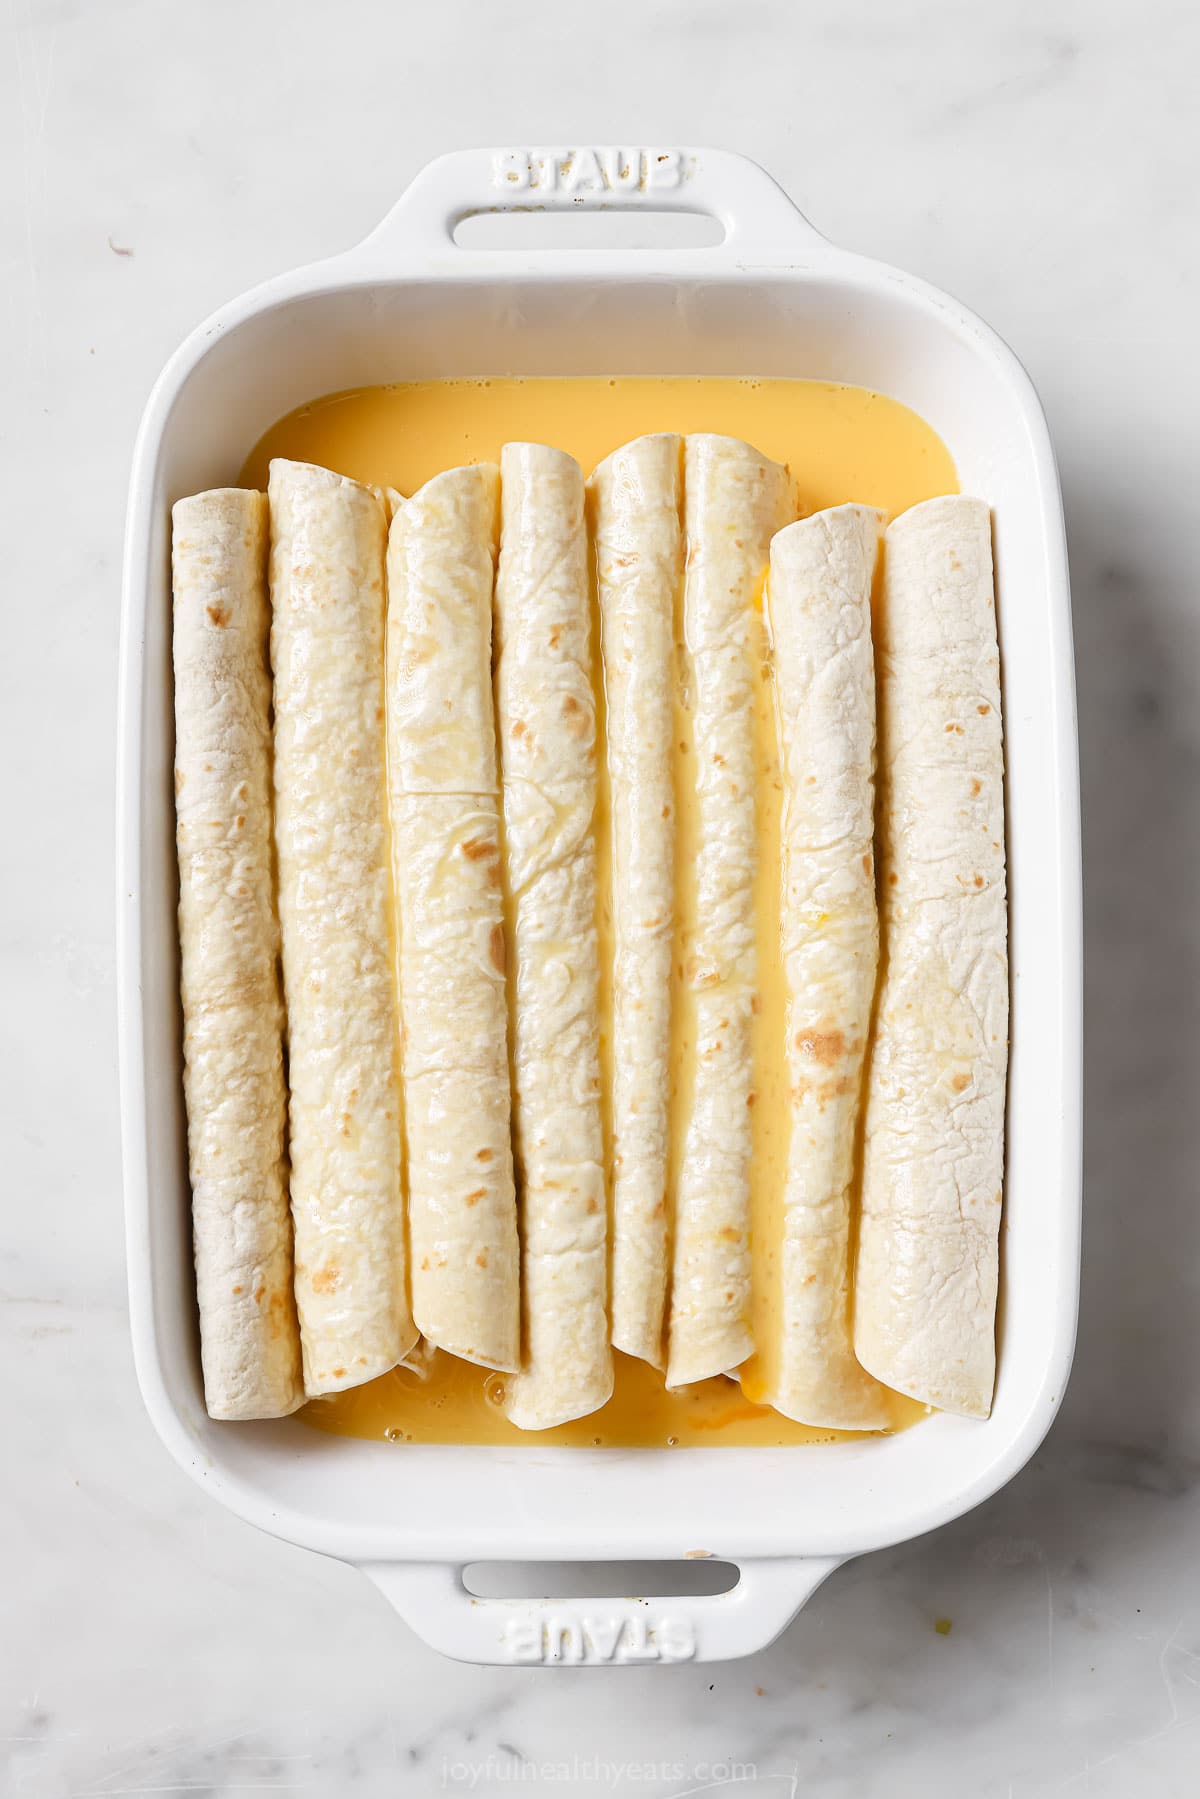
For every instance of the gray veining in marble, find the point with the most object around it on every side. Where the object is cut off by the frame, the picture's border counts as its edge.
(1037, 158)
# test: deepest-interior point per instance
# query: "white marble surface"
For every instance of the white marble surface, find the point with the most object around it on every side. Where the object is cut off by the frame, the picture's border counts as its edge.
(1036, 158)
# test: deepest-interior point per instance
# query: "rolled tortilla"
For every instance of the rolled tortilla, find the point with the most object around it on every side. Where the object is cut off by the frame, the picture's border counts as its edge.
(229, 941)
(735, 501)
(335, 907)
(446, 869)
(820, 617)
(547, 727)
(637, 492)
(925, 1297)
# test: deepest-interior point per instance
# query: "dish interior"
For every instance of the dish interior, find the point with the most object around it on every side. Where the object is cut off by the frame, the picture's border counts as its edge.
(839, 443)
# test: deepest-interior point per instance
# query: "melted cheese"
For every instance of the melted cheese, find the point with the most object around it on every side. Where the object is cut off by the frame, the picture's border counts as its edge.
(840, 444)
(771, 1119)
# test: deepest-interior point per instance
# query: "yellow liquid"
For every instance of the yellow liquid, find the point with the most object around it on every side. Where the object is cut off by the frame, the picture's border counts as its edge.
(840, 444)
(771, 1118)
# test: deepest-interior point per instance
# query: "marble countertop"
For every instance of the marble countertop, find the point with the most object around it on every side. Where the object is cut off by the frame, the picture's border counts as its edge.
(1035, 158)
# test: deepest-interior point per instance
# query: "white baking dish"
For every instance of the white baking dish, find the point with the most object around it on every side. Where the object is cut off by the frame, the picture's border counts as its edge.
(772, 299)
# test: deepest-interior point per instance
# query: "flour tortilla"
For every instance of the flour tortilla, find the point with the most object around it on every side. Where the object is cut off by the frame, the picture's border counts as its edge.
(331, 828)
(546, 717)
(735, 501)
(637, 495)
(446, 867)
(820, 617)
(229, 943)
(934, 1158)
(441, 562)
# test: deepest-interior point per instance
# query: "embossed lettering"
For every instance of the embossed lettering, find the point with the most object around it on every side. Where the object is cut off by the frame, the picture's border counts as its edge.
(635, 1644)
(622, 168)
(603, 1635)
(664, 168)
(609, 168)
(676, 1639)
(564, 1640)
(523, 1640)
(562, 1637)
(510, 168)
(582, 169)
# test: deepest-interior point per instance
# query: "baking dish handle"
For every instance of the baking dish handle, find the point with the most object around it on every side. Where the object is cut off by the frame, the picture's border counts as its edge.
(760, 222)
(600, 1632)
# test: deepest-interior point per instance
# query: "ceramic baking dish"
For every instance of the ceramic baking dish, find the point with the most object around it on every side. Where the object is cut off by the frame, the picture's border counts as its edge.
(773, 298)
